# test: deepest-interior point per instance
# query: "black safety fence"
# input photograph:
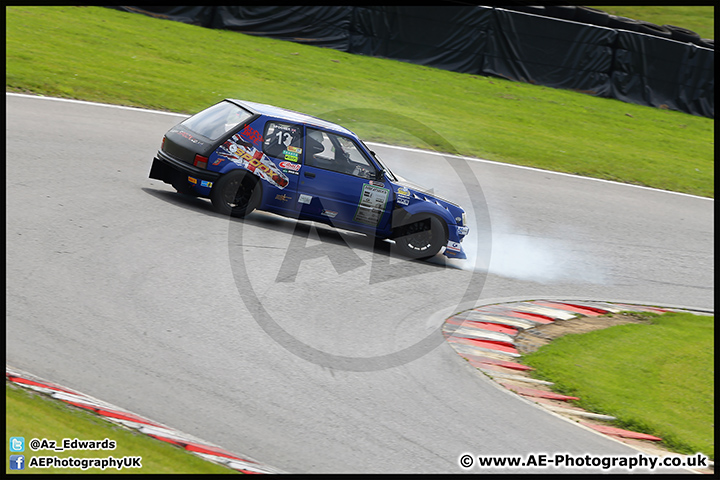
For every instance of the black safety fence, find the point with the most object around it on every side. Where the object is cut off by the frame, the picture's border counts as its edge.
(568, 47)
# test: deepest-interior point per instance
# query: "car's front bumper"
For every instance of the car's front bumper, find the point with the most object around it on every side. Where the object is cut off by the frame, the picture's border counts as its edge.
(454, 249)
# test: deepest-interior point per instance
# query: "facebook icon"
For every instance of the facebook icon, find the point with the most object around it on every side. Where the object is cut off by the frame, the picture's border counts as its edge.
(17, 462)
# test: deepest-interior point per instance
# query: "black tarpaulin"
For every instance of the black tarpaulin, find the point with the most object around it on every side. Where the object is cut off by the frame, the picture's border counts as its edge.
(451, 38)
(664, 73)
(552, 52)
(602, 61)
(312, 25)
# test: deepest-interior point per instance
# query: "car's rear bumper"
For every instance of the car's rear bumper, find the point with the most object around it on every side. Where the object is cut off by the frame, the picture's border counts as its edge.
(175, 172)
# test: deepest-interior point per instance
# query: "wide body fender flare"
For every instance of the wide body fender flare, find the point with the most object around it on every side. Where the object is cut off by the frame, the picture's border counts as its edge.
(401, 216)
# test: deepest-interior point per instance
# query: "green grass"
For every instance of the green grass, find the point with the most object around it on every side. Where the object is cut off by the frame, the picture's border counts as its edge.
(654, 378)
(31, 415)
(699, 19)
(105, 55)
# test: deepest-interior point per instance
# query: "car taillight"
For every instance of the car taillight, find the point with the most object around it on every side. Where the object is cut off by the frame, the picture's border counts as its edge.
(162, 147)
(200, 161)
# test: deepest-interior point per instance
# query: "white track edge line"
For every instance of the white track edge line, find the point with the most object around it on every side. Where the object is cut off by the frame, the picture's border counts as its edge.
(409, 149)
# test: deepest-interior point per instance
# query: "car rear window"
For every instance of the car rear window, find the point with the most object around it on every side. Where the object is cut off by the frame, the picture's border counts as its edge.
(217, 120)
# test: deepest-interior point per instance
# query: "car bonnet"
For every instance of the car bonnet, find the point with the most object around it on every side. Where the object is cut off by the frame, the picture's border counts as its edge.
(403, 182)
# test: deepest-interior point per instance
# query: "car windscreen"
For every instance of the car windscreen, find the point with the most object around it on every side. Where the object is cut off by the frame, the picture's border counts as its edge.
(217, 120)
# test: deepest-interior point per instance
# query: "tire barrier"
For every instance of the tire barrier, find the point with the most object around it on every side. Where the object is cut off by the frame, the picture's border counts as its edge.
(591, 16)
(565, 12)
(652, 29)
(707, 43)
(682, 34)
(570, 47)
(623, 23)
(534, 9)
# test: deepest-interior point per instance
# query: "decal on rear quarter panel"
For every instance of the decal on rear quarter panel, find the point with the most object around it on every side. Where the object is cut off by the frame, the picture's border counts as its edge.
(242, 153)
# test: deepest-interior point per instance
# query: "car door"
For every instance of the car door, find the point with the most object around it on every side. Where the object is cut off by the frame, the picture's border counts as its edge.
(337, 184)
(282, 144)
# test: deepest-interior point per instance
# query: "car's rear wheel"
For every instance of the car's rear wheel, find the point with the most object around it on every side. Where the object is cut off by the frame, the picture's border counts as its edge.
(421, 237)
(236, 193)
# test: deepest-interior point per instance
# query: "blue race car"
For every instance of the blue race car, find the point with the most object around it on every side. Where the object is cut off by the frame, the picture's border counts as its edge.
(245, 156)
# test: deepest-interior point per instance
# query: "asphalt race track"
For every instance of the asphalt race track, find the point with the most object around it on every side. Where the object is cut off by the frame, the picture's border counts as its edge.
(307, 348)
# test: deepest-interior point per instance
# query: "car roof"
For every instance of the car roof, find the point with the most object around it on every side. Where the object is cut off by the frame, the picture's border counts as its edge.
(292, 116)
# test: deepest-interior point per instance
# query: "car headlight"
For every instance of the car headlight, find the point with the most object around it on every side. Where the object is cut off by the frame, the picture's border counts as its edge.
(464, 219)
(462, 231)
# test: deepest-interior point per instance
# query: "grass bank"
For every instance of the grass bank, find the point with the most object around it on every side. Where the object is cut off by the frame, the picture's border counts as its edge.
(105, 55)
(656, 378)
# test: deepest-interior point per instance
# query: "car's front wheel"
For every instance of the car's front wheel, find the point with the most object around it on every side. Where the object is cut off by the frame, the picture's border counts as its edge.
(421, 237)
(237, 193)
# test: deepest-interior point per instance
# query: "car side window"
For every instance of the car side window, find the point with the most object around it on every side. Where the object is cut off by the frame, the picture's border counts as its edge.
(283, 141)
(334, 152)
